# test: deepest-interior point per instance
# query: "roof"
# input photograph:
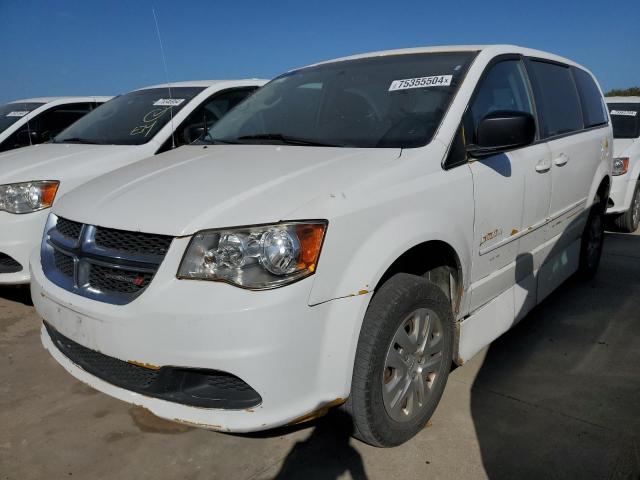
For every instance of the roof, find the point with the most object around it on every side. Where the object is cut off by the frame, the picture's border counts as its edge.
(623, 99)
(495, 49)
(205, 83)
(62, 100)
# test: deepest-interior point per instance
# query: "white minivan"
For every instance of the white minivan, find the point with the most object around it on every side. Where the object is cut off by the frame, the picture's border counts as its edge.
(340, 237)
(128, 128)
(624, 199)
(36, 120)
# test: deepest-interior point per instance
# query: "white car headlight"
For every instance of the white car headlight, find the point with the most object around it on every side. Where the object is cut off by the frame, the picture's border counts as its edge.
(28, 197)
(620, 166)
(260, 257)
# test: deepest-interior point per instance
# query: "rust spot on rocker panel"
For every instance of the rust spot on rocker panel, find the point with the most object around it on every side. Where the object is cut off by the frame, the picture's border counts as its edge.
(514, 231)
(318, 412)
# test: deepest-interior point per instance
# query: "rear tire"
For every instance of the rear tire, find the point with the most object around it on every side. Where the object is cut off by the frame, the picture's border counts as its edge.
(628, 221)
(402, 361)
(592, 241)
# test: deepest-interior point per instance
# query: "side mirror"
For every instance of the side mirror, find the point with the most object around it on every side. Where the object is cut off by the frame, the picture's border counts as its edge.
(501, 131)
(22, 138)
(193, 132)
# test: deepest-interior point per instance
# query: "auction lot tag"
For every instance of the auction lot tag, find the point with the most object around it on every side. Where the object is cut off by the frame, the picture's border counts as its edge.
(168, 102)
(422, 82)
(626, 113)
(17, 113)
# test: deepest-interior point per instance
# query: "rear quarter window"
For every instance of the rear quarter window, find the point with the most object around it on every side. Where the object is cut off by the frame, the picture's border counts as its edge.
(556, 98)
(594, 110)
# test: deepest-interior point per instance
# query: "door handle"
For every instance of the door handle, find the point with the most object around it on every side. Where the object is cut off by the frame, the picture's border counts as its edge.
(561, 160)
(543, 166)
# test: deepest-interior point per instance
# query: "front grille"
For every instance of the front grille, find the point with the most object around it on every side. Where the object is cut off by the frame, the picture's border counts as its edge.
(69, 228)
(64, 263)
(113, 280)
(109, 265)
(8, 264)
(133, 242)
(196, 387)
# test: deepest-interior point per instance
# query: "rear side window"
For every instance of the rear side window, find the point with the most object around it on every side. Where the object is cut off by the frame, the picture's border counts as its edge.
(556, 99)
(593, 107)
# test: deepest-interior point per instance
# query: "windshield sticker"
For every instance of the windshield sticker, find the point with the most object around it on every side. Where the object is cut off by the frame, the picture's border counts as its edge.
(168, 102)
(626, 113)
(18, 113)
(422, 82)
(149, 121)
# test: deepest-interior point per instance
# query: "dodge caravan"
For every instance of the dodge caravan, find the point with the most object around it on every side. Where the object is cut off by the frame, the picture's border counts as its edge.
(36, 120)
(124, 130)
(340, 237)
(624, 200)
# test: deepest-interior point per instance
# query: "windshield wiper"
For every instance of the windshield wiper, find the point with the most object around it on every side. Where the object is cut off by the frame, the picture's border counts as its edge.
(76, 140)
(278, 137)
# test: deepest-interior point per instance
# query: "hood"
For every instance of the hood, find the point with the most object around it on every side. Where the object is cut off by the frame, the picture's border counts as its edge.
(194, 188)
(50, 161)
(620, 145)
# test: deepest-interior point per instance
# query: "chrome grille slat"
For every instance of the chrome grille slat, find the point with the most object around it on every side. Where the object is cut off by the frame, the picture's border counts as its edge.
(105, 264)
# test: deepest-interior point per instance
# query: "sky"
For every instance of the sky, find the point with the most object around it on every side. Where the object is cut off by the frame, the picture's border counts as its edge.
(92, 47)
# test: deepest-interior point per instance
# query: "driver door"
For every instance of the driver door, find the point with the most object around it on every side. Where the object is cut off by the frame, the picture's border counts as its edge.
(512, 192)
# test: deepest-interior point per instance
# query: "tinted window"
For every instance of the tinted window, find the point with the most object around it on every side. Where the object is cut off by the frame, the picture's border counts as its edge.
(130, 119)
(386, 101)
(12, 112)
(503, 88)
(50, 123)
(593, 108)
(556, 99)
(625, 118)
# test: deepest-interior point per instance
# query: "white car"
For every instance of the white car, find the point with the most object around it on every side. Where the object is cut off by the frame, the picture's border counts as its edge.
(348, 231)
(36, 120)
(624, 199)
(128, 128)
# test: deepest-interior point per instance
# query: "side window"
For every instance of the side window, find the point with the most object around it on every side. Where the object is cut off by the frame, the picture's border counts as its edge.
(56, 119)
(207, 114)
(504, 87)
(557, 98)
(593, 107)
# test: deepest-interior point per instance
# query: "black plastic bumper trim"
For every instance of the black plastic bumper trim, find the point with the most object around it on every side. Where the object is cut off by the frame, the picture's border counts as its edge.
(187, 386)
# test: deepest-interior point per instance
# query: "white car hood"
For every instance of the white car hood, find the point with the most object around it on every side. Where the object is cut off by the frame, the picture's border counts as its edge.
(620, 145)
(51, 161)
(195, 187)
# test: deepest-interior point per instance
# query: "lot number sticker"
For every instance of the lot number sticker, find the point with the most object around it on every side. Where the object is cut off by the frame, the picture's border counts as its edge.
(17, 113)
(168, 102)
(422, 82)
(626, 113)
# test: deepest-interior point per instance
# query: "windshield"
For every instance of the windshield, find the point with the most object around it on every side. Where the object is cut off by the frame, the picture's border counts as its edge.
(394, 101)
(12, 112)
(130, 119)
(625, 118)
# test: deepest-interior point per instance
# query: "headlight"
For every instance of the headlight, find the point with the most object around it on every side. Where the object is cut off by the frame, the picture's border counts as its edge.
(28, 197)
(255, 257)
(620, 166)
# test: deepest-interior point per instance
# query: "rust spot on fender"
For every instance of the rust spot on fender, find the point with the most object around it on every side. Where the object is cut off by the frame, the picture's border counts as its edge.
(514, 231)
(363, 292)
(318, 412)
(150, 366)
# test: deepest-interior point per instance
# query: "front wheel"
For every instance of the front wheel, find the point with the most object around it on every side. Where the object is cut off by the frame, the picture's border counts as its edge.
(628, 221)
(592, 241)
(402, 362)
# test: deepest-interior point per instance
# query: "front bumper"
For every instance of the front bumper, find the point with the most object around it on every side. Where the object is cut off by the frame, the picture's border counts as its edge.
(298, 358)
(622, 188)
(19, 236)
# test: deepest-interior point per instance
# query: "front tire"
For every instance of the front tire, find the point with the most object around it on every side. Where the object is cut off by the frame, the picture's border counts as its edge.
(402, 361)
(628, 221)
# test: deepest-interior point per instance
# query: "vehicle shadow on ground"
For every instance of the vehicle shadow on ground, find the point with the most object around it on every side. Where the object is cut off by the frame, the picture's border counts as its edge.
(327, 453)
(16, 293)
(558, 396)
